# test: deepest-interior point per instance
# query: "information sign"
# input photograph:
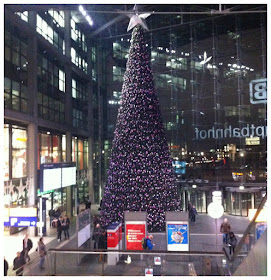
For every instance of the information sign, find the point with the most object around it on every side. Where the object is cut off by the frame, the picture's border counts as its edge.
(215, 210)
(135, 231)
(22, 221)
(157, 260)
(148, 271)
(177, 236)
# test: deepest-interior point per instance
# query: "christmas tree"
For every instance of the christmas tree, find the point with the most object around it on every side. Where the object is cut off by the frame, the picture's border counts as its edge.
(140, 175)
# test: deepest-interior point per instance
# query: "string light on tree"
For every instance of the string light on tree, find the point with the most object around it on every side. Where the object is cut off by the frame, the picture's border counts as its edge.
(140, 175)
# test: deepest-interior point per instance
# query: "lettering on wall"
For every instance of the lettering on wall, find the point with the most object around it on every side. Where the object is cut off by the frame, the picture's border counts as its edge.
(250, 130)
(258, 91)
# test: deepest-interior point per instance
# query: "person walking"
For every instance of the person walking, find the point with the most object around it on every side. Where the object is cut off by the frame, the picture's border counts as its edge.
(42, 252)
(193, 213)
(225, 228)
(66, 227)
(19, 262)
(27, 246)
(232, 242)
(5, 267)
(59, 228)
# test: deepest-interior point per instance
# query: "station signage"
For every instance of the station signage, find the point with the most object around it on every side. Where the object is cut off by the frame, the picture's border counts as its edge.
(20, 217)
(135, 231)
(253, 141)
(22, 221)
(57, 175)
(177, 236)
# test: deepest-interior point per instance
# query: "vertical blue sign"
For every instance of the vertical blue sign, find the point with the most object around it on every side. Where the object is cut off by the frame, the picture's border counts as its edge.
(260, 228)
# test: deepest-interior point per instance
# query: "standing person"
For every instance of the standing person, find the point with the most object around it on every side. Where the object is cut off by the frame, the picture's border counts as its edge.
(42, 252)
(232, 242)
(52, 216)
(102, 244)
(18, 263)
(96, 235)
(66, 226)
(59, 228)
(27, 246)
(225, 228)
(149, 244)
(5, 267)
(193, 213)
(88, 203)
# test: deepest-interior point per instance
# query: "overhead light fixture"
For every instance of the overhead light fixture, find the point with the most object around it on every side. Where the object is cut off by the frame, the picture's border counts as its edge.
(194, 186)
(84, 13)
(241, 187)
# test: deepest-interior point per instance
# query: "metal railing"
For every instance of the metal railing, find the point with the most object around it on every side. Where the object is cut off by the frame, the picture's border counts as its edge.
(133, 263)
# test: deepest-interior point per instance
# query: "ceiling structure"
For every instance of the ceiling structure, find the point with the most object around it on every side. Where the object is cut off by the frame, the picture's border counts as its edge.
(111, 20)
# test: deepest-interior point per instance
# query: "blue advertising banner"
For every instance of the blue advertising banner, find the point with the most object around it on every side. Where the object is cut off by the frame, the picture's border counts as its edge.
(177, 236)
(260, 228)
(179, 166)
(22, 221)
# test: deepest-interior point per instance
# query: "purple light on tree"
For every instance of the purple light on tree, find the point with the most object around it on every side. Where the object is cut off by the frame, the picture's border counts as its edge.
(140, 175)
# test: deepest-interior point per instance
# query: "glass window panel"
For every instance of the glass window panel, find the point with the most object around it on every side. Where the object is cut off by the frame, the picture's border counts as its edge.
(23, 91)
(6, 153)
(7, 53)
(16, 58)
(7, 83)
(15, 88)
(19, 143)
(24, 105)
(7, 100)
(15, 103)
(15, 44)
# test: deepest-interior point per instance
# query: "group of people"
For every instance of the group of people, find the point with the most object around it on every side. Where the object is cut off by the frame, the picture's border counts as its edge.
(63, 224)
(22, 257)
(229, 237)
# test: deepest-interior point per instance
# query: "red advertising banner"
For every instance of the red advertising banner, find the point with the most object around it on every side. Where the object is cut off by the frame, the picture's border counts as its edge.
(114, 236)
(134, 234)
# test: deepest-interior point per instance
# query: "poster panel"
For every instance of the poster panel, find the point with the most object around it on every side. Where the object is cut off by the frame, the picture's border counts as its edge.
(177, 236)
(135, 231)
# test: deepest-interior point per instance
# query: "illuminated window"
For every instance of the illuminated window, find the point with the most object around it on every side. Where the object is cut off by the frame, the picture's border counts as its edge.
(23, 15)
(48, 25)
(16, 95)
(19, 159)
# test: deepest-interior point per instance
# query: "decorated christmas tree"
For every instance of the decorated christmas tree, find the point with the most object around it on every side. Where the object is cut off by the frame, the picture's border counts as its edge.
(140, 175)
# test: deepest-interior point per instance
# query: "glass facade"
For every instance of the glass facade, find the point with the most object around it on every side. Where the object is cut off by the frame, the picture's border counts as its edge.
(15, 83)
(212, 111)
(51, 26)
(15, 152)
(79, 46)
(51, 148)
(80, 153)
(80, 102)
(51, 88)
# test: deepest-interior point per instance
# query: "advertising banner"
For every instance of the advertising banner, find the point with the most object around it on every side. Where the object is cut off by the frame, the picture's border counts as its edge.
(135, 231)
(177, 236)
(260, 228)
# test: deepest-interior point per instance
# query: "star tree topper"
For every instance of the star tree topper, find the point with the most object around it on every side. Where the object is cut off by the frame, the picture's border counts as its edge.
(136, 19)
